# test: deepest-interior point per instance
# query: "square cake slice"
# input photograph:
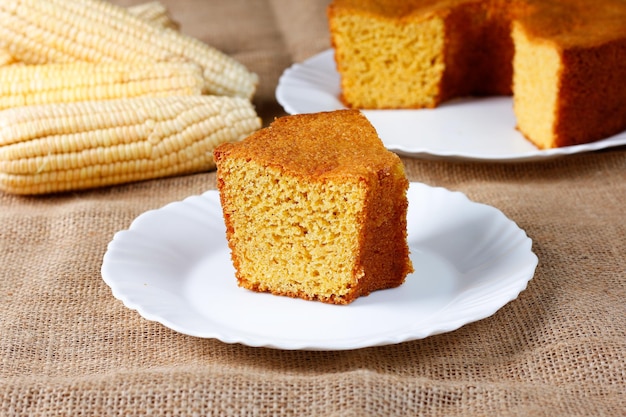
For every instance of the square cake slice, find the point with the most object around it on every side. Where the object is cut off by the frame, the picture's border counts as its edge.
(315, 207)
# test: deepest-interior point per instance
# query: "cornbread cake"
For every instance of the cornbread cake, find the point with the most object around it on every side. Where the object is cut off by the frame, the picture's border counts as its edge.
(564, 61)
(315, 207)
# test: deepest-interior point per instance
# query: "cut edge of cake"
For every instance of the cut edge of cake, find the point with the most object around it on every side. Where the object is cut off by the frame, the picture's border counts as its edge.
(332, 233)
(580, 47)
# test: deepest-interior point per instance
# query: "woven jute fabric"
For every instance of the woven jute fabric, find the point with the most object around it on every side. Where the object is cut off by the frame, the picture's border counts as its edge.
(69, 347)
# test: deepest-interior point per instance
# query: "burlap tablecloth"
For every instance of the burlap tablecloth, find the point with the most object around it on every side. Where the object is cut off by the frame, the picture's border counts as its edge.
(68, 347)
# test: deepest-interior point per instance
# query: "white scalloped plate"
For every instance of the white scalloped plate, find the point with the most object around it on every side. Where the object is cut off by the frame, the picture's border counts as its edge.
(173, 266)
(469, 129)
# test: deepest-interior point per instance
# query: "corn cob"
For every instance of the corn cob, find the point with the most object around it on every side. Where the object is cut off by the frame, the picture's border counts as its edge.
(6, 58)
(80, 145)
(24, 85)
(44, 31)
(154, 12)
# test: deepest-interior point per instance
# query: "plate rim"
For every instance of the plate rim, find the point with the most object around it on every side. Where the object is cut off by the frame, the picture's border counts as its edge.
(409, 334)
(326, 55)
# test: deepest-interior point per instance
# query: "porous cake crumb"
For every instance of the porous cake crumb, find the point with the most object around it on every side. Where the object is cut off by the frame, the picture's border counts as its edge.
(563, 61)
(315, 207)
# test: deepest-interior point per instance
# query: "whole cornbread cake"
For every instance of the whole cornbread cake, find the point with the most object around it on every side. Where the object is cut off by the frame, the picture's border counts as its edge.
(564, 61)
(315, 207)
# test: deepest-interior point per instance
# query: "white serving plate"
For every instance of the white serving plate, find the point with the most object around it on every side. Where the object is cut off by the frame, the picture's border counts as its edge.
(480, 129)
(173, 266)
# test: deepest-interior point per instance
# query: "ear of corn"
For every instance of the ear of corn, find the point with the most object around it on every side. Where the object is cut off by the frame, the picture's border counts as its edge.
(154, 12)
(73, 146)
(6, 58)
(60, 128)
(58, 83)
(36, 32)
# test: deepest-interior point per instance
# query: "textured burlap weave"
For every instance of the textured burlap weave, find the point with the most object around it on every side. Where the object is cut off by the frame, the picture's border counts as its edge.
(68, 347)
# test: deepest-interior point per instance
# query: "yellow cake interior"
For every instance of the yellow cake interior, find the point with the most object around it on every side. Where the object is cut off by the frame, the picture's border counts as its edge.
(535, 87)
(295, 236)
(562, 60)
(315, 207)
(386, 56)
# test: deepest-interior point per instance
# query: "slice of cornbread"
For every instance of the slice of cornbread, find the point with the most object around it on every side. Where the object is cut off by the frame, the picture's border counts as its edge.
(315, 207)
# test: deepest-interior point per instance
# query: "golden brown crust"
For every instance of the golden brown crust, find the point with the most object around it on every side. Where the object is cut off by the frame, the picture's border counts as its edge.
(603, 93)
(315, 208)
(576, 23)
(311, 146)
(571, 23)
